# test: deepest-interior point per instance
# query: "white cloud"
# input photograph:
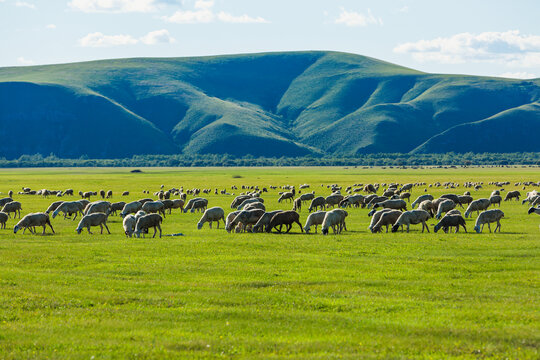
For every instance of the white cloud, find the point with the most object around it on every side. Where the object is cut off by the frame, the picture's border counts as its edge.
(353, 18)
(518, 75)
(203, 12)
(50, 26)
(242, 19)
(509, 48)
(404, 9)
(115, 6)
(98, 39)
(23, 61)
(25, 4)
(158, 36)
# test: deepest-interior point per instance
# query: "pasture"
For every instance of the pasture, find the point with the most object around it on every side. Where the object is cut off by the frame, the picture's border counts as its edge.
(210, 294)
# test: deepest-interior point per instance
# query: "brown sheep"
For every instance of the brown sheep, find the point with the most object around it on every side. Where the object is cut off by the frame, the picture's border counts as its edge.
(286, 218)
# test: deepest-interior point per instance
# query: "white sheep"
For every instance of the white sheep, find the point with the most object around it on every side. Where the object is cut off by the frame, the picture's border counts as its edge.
(376, 217)
(3, 219)
(487, 217)
(335, 219)
(314, 219)
(13, 207)
(445, 206)
(477, 205)
(210, 215)
(93, 219)
(98, 207)
(412, 217)
(69, 208)
(129, 223)
(32, 220)
(151, 207)
(263, 221)
(131, 208)
(147, 221)
(387, 219)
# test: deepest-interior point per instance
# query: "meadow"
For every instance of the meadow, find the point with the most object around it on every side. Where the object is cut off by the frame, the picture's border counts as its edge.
(210, 294)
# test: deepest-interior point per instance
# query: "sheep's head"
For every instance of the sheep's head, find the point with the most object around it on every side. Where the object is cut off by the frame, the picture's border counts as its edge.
(372, 212)
(15, 229)
(436, 228)
(395, 228)
(531, 210)
(324, 231)
(79, 230)
(199, 225)
(477, 229)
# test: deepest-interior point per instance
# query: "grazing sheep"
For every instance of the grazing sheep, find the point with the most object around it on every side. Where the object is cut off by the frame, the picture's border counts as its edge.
(238, 200)
(450, 221)
(412, 217)
(210, 215)
(190, 203)
(534, 210)
(314, 219)
(445, 206)
(145, 200)
(319, 201)
(145, 222)
(32, 220)
(333, 200)
(246, 217)
(102, 193)
(4, 201)
(465, 199)
(129, 223)
(405, 196)
(117, 206)
(68, 192)
(286, 196)
(177, 204)
(477, 205)
(307, 196)
(3, 219)
(255, 205)
(286, 218)
(355, 200)
(428, 206)
(248, 201)
(10, 193)
(453, 197)
(396, 204)
(376, 199)
(512, 195)
(13, 207)
(93, 219)
(109, 194)
(98, 207)
(297, 205)
(264, 220)
(151, 207)
(376, 217)
(131, 208)
(334, 219)
(199, 205)
(87, 195)
(230, 218)
(487, 217)
(125, 193)
(69, 208)
(53, 207)
(420, 199)
(387, 219)
(495, 199)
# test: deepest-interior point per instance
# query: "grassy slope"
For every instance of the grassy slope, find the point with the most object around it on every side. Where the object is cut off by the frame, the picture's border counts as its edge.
(211, 294)
(287, 103)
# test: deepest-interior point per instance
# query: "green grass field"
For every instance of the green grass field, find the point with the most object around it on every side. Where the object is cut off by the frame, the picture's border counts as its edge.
(210, 294)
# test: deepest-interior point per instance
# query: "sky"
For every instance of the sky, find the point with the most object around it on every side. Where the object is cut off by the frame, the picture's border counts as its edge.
(476, 37)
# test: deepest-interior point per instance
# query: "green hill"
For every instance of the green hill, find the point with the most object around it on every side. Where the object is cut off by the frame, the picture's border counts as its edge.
(275, 104)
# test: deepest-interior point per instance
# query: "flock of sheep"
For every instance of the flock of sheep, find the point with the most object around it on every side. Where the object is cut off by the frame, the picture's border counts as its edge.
(387, 210)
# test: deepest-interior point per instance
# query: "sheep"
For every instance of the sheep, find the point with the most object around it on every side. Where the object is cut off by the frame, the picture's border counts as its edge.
(376, 217)
(453, 197)
(86, 195)
(286, 218)
(84, 202)
(406, 187)
(487, 217)
(248, 201)
(428, 206)
(420, 199)
(286, 196)
(147, 221)
(334, 219)
(5, 200)
(125, 193)
(314, 219)
(352, 200)
(98, 207)
(117, 206)
(450, 221)
(264, 220)
(387, 218)
(189, 204)
(13, 207)
(465, 199)
(10, 193)
(319, 201)
(68, 192)
(396, 204)
(376, 199)
(102, 193)
(297, 204)
(255, 205)
(405, 195)
(93, 219)
(69, 208)
(495, 199)
(245, 217)
(131, 208)
(210, 215)
(333, 200)
(445, 206)
(129, 223)
(177, 204)
(477, 205)
(238, 200)
(512, 195)
(199, 205)
(307, 196)
(153, 207)
(412, 217)
(230, 218)
(109, 194)
(3, 219)
(53, 206)
(32, 220)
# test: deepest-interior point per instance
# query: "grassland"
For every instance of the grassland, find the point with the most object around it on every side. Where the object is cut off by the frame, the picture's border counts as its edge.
(210, 294)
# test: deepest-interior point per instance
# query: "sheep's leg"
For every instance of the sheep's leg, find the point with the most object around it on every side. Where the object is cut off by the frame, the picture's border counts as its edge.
(88, 228)
(498, 226)
(210, 224)
(289, 227)
(106, 227)
(345, 226)
(159, 227)
(155, 231)
(464, 228)
(44, 225)
(408, 226)
(489, 227)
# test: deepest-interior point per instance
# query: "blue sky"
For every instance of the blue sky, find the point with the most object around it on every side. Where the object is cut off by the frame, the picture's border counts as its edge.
(479, 37)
